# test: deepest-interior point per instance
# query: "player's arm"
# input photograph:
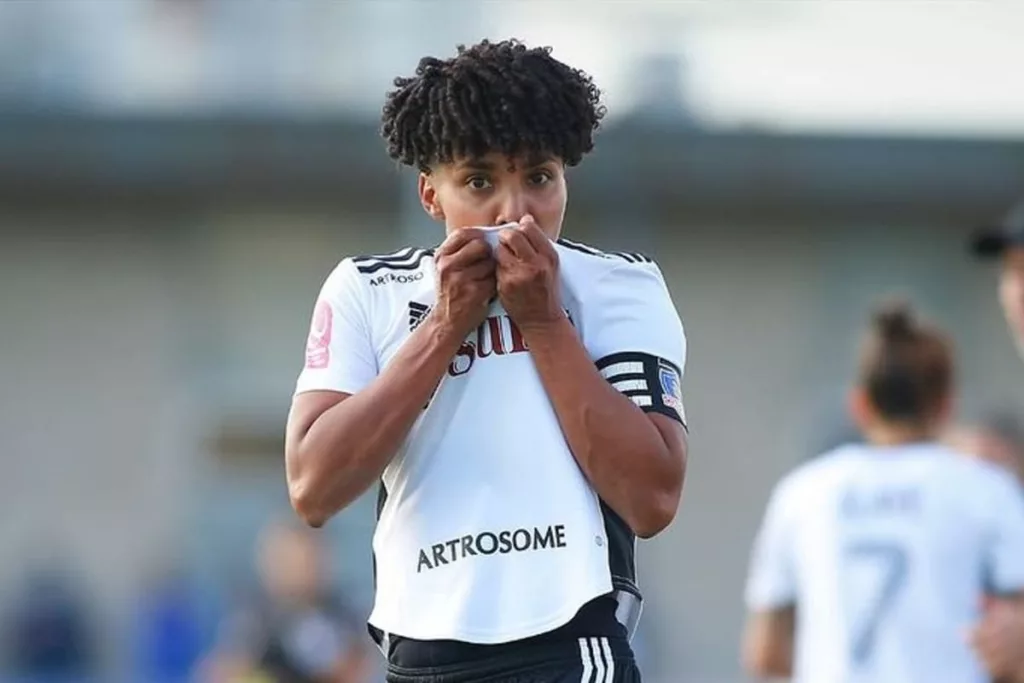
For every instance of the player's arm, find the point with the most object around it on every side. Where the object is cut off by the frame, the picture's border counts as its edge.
(632, 448)
(347, 420)
(337, 444)
(635, 461)
(768, 643)
(768, 638)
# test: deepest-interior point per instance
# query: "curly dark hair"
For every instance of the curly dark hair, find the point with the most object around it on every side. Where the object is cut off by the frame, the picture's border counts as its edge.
(491, 97)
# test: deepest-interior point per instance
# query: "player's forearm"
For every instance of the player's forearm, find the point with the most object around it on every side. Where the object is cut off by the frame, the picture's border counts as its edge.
(621, 452)
(346, 449)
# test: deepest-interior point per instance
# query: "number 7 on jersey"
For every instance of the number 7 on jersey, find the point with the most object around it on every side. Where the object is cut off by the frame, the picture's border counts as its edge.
(888, 559)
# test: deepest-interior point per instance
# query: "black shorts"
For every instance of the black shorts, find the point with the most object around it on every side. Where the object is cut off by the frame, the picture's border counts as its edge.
(585, 660)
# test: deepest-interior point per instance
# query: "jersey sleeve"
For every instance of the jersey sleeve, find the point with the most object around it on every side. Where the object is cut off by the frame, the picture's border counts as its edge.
(339, 349)
(1005, 570)
(635, 336)
(771, 581)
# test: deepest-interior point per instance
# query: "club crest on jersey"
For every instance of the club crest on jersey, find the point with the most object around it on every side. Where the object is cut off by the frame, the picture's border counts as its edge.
(671, 391)
(318, 344)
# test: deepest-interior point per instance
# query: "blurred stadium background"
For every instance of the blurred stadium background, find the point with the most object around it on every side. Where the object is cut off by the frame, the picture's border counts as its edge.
(178, 176)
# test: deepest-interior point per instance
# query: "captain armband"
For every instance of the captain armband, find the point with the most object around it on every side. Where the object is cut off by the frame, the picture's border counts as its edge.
(651, 382)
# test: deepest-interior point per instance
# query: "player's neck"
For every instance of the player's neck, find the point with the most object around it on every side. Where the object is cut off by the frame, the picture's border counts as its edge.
(899, 434)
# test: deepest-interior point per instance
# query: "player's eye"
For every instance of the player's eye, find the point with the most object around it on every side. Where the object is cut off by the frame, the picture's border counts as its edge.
(478, 182)
(541, 178)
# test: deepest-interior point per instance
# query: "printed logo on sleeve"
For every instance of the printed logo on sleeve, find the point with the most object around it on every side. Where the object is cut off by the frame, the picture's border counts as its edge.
(318, 345)
(671, 390)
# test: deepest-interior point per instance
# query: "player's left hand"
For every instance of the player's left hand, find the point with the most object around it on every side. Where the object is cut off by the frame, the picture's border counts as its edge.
(997, 639)
(527, 272)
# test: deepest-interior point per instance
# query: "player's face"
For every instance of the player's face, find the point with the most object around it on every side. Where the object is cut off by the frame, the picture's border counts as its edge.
(1011, 291)
(290, 564)
(494, 189)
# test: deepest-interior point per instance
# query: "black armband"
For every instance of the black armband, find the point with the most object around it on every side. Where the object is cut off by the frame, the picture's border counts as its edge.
(651, 382)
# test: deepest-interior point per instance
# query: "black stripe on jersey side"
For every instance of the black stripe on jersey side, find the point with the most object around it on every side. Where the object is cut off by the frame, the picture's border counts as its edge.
(370, 267)
(382, 497)
(621, 551)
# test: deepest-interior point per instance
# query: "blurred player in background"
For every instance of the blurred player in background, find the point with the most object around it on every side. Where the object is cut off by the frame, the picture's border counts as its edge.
(873, 561)
(295, 630)
(1004, 242)
(999, 637)
(518, 398)
(998, 437)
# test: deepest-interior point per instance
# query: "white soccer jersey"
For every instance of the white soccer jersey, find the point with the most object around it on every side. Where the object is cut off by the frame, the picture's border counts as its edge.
(886, 554)
(488, 531)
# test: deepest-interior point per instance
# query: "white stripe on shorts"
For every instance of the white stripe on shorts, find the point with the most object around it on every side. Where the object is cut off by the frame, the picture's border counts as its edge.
(588, 662)
(602, 670)
(606, 648)
(598, 665)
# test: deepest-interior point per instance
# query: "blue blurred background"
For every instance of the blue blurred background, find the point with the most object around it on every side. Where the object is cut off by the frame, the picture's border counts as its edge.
(177, 177)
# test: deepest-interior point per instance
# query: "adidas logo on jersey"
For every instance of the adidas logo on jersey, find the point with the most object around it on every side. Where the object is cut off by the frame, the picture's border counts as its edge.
(417, 312)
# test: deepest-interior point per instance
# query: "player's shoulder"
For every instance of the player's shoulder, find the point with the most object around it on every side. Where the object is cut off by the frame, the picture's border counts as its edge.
(817, 475)
(587, 255)
(968, 475)
(403, 266)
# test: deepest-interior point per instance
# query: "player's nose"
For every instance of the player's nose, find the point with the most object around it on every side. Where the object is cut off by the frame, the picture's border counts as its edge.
(514, 206)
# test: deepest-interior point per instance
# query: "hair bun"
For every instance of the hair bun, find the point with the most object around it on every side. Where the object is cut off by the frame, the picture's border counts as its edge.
(895, 321)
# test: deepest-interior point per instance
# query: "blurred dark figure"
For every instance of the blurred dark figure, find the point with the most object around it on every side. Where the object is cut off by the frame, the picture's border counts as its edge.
(48, 630)
(295, 630)
(1003, 243)
(168, 631)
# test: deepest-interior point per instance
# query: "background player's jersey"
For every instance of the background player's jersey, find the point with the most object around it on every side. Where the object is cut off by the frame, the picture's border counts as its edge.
(488, 531)
(886, 553)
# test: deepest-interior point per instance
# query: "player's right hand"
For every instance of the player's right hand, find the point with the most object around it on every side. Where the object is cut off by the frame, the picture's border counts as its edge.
(466, 283)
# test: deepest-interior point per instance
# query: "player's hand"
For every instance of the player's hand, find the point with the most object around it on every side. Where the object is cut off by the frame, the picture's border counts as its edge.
(998, 639)
(466, 281)
(528, 284)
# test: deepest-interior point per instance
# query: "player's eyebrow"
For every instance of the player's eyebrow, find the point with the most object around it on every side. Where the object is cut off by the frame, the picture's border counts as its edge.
(477, 164)
(534, 159)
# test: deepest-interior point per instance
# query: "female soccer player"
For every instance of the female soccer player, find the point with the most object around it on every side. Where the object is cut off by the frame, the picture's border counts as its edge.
(516, 395)
(873, 561)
